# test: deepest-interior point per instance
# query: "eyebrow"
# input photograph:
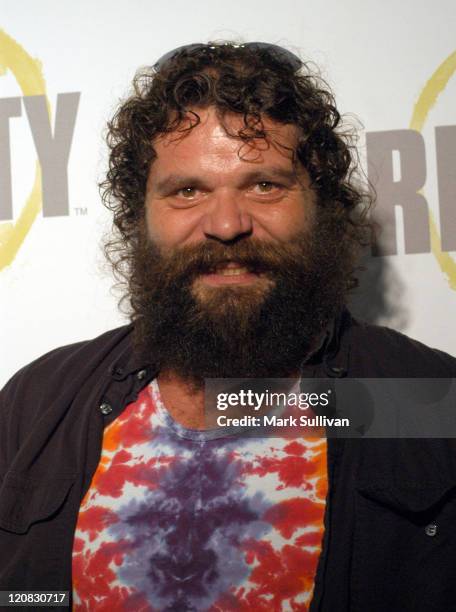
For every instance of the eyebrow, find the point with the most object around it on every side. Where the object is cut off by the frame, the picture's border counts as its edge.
(174, 182)
(270, 174)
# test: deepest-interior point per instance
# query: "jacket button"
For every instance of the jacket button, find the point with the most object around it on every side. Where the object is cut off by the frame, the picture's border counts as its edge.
(430, 530)
(141, 374)
(105, 408)
(117, 371)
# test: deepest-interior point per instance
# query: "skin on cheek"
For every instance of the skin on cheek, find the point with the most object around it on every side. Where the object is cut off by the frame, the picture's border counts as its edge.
(154, 229)
(169, 227)
(290, 217)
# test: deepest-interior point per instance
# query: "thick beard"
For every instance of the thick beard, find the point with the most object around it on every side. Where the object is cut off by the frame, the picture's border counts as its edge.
(259, 331)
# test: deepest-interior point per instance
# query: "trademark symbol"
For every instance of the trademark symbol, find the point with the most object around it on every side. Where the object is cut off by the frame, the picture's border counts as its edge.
(80, 211)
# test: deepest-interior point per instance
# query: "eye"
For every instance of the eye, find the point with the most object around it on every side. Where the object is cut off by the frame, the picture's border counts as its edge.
(266, 187)
(187, 192)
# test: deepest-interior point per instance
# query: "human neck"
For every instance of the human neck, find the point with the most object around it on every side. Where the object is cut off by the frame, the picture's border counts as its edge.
(183, 399)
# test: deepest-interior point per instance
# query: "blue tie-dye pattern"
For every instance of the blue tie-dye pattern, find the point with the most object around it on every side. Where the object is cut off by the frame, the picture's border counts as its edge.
(187, 533)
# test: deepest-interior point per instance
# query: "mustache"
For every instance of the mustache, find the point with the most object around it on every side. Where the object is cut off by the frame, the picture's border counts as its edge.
(258, 256)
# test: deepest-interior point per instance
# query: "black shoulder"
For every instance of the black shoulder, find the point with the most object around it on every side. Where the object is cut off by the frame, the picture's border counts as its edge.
(386, 352)
(65, 362)
(42, 391)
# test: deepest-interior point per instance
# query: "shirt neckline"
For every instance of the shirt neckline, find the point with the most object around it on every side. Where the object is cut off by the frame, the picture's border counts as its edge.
(166, 420)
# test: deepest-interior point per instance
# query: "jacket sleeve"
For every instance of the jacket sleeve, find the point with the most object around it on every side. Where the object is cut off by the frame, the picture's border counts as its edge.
(8, 399)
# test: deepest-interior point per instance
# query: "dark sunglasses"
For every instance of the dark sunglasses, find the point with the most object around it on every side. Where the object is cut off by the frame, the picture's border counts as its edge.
(281, 53)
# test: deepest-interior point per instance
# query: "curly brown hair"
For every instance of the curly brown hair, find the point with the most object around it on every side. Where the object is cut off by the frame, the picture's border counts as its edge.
(252, 83)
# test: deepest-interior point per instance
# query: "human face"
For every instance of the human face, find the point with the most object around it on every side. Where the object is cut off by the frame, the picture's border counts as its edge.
(208, 185)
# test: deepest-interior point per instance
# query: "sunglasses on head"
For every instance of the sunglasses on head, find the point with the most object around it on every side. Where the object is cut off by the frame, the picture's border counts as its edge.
(281, 53)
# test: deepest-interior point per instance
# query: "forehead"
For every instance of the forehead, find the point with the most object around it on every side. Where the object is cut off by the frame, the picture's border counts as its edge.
(216, 137)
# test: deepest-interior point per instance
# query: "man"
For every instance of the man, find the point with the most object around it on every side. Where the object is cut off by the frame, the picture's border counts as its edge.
(238, 227)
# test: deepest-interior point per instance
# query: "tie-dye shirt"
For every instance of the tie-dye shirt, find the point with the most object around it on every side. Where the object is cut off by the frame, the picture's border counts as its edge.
(178, 519)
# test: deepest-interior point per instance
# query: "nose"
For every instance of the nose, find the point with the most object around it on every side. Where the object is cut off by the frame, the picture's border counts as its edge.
(226, 220)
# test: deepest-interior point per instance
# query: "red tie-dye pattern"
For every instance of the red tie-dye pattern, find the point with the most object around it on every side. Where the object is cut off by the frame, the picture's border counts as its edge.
(273, 583)
(289, 515)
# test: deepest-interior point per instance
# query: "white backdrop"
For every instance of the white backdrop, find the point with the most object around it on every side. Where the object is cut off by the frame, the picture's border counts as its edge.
(378, 57)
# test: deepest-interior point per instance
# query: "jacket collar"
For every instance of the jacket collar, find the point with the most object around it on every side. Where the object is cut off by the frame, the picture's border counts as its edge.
(331, 358)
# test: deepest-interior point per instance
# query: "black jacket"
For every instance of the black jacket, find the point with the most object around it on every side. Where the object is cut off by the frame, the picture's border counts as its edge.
(390, 521)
